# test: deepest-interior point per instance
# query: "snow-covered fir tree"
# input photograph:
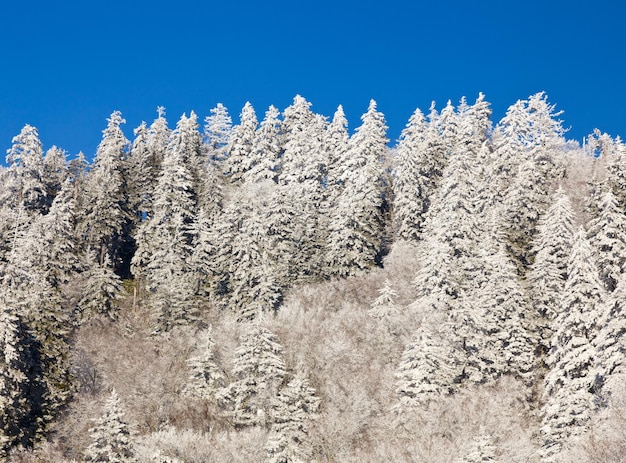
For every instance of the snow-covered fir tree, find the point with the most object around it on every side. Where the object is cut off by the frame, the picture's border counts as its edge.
(101, 292)
(385, 304)
(607, 234)
(610, 343)
(263, 159)
(165, 242)
(257, 373)
(292, 411)
(569, 384)
(356, 225)
(336, 152)
(105, 215)
(418, 164)
(18, 420)
(482, 450)
(431, 366)
(217, 131)
(546, 277)
(241, 143)
(207, 377)
(26, 165)
(111, 436)
(55, 171)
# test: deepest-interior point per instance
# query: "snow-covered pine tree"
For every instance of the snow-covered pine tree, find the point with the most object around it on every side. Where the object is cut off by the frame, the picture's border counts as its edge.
(111, 436)
(258, 371)
(522, 205)
(206, 378)
(158, 141)
(17, 411)
(55, 172)
(47, 248)
(384, 305)
(217, 131)
(447, 124)
(474, 122)
(431, 366)
(26, 164)
(297, 118)
(607, 235)
(417, 167)
(506, 346)
(453, 229)
(240, 147)
(616, 168)
(101, 292)
(246, 255)
(610, 343)
(165, 242)
(336, 152)
(139, 174)
(356, 225)
(292, 410)
(266, 149)
(105, 215)
(282, 235)
(546, 277)
(530, 130)
(145, 162)
(482, 450)
(302, 173)
(570, 382)
(49, 323)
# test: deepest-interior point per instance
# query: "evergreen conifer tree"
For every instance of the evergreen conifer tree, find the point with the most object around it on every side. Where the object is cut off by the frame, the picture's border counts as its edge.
(55, 172)
(482, 450)
(105, 213)
(569, 383)
(25, 159)
(165, 242)
(207, 378)
(292, 410)
(607, 234)
(240, 149)
(356, 226)
(431, 366)
(258, 371)
(266, 149)
(111, 437)
(217, 131)
(546, 277)
(17, 407)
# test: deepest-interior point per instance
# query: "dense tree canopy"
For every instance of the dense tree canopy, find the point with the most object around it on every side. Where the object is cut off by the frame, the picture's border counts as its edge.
(276, 232)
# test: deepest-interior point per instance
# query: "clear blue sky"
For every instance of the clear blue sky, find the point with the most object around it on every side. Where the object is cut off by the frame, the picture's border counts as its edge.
(66, 65)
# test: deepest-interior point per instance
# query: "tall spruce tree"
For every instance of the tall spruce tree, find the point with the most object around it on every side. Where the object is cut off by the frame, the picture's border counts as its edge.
(266, 149)
(292, 411)
(26, 163)
(258, 371)
(607, 234)
(240, 149)
(546, 277)
(569, 384)
(105, 217)
(18, 401)
(111, 436)
(356, 226)
(165, 242)
(206, 378)
(217, 131)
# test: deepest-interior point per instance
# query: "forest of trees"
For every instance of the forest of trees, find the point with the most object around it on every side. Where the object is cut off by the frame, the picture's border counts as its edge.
(285, 289)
